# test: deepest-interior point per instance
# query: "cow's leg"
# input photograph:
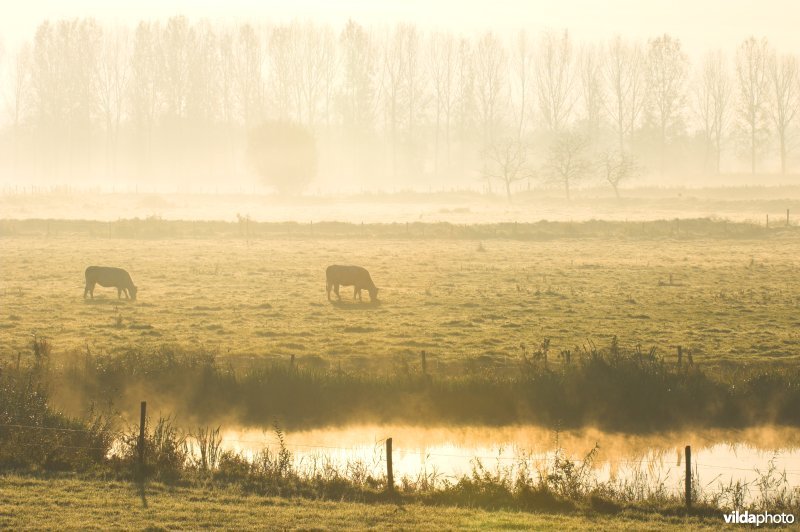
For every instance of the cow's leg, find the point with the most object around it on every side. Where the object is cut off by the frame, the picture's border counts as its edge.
(328, 287)
(127, 294)
(119, 293)
(87, 289)
(336, 291)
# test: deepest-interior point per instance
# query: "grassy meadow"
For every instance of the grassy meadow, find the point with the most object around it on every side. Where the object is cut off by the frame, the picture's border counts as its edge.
(470, 303)
(557, 325)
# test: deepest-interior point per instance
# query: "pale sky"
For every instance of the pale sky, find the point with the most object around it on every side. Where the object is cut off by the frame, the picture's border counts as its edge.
(700, 24)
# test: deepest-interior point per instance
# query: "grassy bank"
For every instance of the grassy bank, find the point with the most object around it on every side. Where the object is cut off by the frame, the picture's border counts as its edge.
(69, 503)
(36, 437)
(608, 387)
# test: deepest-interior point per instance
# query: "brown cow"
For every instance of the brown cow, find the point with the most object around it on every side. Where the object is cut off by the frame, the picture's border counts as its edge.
(354, 276)
(105, 276)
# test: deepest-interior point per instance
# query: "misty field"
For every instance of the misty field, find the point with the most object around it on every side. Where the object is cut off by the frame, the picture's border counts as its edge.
(469, 304)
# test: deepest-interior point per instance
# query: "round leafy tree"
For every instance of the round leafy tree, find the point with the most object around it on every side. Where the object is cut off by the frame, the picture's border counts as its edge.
(284, 155)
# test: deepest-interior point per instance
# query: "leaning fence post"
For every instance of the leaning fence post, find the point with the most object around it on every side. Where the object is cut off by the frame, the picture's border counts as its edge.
(389, 472)
(142, 418)
(424, 362)
(688, 476)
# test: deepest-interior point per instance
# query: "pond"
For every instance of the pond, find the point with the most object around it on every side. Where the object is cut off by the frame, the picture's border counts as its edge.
(719, 457)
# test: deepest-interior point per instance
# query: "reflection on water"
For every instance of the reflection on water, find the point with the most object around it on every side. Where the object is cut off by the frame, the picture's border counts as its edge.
(719, 456)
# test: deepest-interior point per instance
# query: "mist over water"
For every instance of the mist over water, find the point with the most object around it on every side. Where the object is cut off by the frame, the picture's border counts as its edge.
(447, 453)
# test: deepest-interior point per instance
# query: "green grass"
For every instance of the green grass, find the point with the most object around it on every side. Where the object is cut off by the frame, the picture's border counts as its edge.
(732, 301)
(73, 503)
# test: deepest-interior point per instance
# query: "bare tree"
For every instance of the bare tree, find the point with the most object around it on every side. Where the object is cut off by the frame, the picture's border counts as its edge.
(177, 44)
(522, 67)
(666, 72)
(203, 98)
(752, 59)
(591, 78)
(331, 63)
(64, 56)
(623, 73)
(711, 103)
(785, 101)
(394, 66)
(617, 167)
(465, 92)
(249, 66)
(443, 68)
(359, 87)
(413, 76)
(506, 161)
(568, 160)
(144, 90)
(555, 80)
(314, 54)
(20, 77)
(284, 91)
(490, 84)
(111, 86)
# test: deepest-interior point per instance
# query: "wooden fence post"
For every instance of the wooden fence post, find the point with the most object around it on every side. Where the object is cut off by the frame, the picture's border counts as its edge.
(680, 355)
(142, 419)
(787, 217)
(688, 480)
(424, 362)
(389, 471)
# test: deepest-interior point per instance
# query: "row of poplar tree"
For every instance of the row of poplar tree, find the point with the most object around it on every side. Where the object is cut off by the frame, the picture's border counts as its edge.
(390, 106)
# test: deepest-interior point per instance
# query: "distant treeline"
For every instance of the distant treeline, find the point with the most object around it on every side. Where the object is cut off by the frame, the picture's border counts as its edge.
(244, 228)
(177, 100)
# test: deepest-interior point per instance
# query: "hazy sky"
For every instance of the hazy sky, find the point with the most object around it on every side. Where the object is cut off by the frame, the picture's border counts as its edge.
(701, 24)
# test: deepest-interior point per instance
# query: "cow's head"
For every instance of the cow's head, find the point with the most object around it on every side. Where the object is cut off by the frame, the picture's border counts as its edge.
(132, 290)
(373, 294)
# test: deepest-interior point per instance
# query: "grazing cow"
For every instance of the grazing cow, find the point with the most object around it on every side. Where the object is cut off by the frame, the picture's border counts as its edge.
(105, 276)
(354, 276)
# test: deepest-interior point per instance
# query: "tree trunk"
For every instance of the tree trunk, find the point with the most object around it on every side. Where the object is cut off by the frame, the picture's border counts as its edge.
(783, 153)
(508, 190)
(663, 146)
(753, 149)
(436, 144)
(566, 188)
